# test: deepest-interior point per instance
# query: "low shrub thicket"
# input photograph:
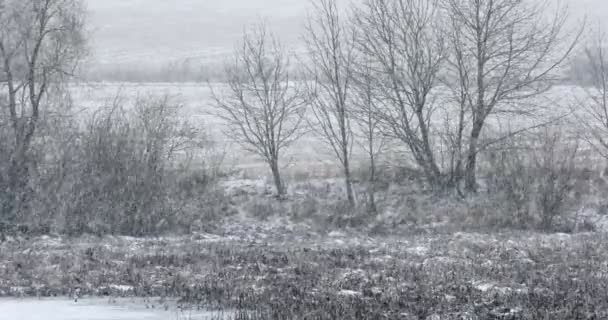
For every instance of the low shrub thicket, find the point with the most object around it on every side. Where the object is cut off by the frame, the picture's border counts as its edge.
(534, 182)
(135, 171)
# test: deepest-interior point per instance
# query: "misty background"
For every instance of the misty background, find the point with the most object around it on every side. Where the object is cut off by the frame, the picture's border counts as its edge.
(159, 40)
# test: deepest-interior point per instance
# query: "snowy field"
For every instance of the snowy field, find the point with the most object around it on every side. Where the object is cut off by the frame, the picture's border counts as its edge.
(197, 107)
(284, 260)
(90, 238)
(96, 309)
(289, 273)
(309, 156)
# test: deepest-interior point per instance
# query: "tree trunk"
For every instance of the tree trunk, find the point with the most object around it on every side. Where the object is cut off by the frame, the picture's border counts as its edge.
(349, 185)
(456, 174)
(471, 166)
(371, 189)
(276, 174)
(428, 151)
(345, 155)
(436, 181)
(17, 182)
(346, 163)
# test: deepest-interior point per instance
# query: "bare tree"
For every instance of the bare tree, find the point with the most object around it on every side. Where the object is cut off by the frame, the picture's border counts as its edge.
(263, 108)
(400, 38)
(369, 125)
(595, 106)
(504, 52)
(41, 42)
(331, 52)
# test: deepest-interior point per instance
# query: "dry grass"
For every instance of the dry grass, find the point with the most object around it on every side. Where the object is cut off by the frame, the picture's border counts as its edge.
(342, 275)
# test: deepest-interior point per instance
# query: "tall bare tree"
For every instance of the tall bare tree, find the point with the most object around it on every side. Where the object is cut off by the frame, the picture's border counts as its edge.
(401, 39)
(503, 53)
(595, 105)
(368, 124)
(41, 43)
(331, 52)
(263, 107)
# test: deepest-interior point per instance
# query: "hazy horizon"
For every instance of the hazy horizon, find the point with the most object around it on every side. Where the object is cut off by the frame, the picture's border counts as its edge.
(157, 32)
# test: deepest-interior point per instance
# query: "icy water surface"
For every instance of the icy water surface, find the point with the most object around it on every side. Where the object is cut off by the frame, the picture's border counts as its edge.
(95, 309)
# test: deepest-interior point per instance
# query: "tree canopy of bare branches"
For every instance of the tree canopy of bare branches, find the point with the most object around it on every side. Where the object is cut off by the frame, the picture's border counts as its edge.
(368, 134)
(502, 53)
(262, 106)
(41, 43)
(595, 104)
(400, 39)
(330, 45)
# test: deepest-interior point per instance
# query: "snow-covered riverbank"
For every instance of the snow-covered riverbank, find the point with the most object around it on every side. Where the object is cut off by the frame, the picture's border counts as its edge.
(97, 309)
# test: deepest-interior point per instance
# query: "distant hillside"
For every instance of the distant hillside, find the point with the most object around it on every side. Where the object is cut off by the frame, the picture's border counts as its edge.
(162, 30)
(157, 38)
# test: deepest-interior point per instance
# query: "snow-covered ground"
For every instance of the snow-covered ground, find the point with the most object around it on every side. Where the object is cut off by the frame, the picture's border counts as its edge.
(94, 309)
(508, 274)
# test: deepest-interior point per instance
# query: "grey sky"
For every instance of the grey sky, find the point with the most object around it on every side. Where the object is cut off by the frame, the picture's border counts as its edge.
(156, 31)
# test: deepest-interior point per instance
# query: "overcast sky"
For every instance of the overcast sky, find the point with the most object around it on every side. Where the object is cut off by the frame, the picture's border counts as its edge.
(165, 30)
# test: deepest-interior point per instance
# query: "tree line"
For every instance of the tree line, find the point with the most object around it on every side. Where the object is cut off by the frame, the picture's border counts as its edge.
(378, 68)
(384, 70)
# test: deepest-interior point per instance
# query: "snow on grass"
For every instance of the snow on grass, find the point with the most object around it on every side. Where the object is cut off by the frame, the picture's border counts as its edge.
(95, 309)
(419, 251)
(122, 288)
(349, 293)
(276, 272)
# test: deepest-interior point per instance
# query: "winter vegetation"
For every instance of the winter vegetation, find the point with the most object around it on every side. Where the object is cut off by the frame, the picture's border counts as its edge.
(417, 159)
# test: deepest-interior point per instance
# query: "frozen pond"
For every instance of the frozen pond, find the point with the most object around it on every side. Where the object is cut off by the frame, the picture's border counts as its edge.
(96, 309)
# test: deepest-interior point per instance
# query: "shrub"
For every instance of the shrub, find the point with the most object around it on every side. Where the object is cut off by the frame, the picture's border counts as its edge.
(263, 208)
(129, 177)
(533, 182)
(137, 170)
